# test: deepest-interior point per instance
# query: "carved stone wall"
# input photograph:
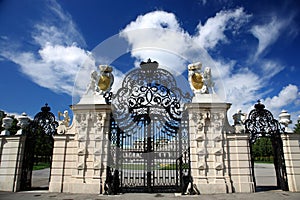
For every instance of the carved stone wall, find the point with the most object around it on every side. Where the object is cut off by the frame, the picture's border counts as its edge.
(80, 156)
(209, 157)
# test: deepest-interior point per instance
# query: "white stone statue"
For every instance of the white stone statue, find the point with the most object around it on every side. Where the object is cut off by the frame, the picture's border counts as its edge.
(100, 83)
(200, 82)
(66, 118)
(207, 77)
(92, 87)
(239, 120)
(64, 123)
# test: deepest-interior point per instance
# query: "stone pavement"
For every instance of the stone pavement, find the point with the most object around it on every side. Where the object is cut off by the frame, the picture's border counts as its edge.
(35, 195)
(265, 177)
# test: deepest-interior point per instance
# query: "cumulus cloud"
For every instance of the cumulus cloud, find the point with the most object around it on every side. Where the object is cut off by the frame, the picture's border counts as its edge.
(285, 97)
(159, 35)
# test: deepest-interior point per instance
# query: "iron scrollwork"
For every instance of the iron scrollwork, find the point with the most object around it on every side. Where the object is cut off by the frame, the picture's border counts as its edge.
(40, 129)
(148, 132)
(46, 120)
(147, 92)
(261, 123)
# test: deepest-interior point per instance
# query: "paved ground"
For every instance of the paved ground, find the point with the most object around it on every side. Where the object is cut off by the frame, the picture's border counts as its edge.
(270, 195)
(265, 178)
(40, 178)
(265, 174)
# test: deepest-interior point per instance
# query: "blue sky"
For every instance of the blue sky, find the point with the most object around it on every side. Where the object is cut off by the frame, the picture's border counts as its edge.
(48, 46)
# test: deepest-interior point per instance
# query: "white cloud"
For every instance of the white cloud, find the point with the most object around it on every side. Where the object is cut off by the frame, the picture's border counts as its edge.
(59, 58)
(16, 115)
(212, 32)
(158, 34)
(285, 97)
(268, 33)
(58, 28)
(56, 68)
(270, 68)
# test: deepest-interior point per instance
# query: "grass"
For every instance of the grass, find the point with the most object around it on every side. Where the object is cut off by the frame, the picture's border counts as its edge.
(264, 162)
(41, 165)
(264, 159)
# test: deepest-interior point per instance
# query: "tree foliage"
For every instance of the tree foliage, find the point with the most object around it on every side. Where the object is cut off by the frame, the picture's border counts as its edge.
(41, 143)
(14, 128)
(297, 127)
(262, 150)
(2, 115)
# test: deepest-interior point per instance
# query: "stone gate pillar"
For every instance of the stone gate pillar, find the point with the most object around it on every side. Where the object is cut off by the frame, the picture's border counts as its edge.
(11, 157)
(209, 158)
(291, 150)
(239, 162)
(80, 153)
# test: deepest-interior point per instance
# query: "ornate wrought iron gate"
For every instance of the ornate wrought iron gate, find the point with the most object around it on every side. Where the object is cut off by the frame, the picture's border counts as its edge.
(149, 137)
(38, 137)
(260, 123)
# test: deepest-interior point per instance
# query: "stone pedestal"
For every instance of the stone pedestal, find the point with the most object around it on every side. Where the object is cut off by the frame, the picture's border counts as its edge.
(209, 157)
(11, 157)
(80, 155)
(291, 150)
(239, 162)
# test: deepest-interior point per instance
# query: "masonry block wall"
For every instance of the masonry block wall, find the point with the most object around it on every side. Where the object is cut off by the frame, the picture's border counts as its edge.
(80, 156)
(291, 150)
(239, 162)
(11, 156)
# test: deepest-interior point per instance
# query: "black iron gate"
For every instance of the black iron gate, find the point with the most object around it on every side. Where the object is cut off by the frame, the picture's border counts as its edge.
(260, 123)
(149, 133)
(38, 144)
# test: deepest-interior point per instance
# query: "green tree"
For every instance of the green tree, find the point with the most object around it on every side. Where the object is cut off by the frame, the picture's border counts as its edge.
(262, 150)
(14, 127)
(2, 115)
(297, 127)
